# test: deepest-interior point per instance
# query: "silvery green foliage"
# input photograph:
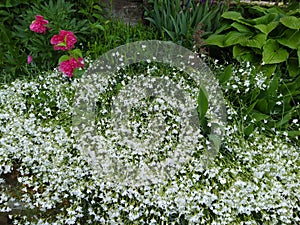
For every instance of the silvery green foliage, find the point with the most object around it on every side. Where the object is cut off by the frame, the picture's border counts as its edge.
(251, 181)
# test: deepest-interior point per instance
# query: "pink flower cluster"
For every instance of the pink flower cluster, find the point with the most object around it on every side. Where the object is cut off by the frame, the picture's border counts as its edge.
(68, 66)
(39, 25)
(64, 41)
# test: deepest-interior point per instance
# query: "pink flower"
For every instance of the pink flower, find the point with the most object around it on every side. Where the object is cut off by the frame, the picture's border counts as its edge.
(65, 40)
(39, 25)
(68, 66)
(29, 59)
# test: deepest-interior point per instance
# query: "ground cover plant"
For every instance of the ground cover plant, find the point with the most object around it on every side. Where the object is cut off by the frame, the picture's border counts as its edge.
(45, 179)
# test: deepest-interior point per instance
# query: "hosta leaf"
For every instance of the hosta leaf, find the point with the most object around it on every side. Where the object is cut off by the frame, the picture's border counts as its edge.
(269, 69)
(267, 28)
(240, 27)
(291, 22)
(232, 15)
(235, 37)
(266, 19)
(256, 41)
(216, 39)
(243, 54)
(272, 53)
(291, 39)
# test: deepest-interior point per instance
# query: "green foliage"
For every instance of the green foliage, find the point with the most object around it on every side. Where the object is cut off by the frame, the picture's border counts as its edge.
(20, 41)
(269, 102)
(95, 35)
(178, 22)
(113, 33)
(269, 37)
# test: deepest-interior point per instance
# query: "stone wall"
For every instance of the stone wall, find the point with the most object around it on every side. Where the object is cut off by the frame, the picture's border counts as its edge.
(129, 10)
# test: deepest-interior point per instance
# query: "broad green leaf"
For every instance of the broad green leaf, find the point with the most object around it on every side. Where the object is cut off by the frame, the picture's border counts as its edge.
(267, 28)
(269, 69)
(241, 27)
(223, 27)
(63, 58)
(216, 39)
(291, 39)
(227, 73)
(76, 53)
(243, 54)
(262, 106)
(266, 19)
(202, 103)
(272, 53)
(232, 15)
(260, 9)
(291, 22)
(256, 41)
(235, 37)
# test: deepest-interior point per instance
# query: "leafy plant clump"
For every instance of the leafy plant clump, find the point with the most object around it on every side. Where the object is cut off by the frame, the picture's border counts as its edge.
(178, 20)
(268, 102)
(269, 37)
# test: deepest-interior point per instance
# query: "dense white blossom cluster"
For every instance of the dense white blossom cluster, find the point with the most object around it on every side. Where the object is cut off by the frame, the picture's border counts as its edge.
(251, 181)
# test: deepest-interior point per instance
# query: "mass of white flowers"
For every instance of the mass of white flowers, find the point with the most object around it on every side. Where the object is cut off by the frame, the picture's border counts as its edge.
(46, 180)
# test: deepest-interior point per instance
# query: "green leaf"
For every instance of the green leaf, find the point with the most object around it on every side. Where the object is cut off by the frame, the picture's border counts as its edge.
(293, 67)
(232, 15)
(291, 39)
(227, 73)
(266, 19)
(298, 53)
(272, 53)
(256, 41)
(62, 44)
(170, 33)
(285, 119)
(272, 90)
(241, 27)
(235, 37)
(291, 22)
(63, 58)
(258, 116)
(243, 54)
(268, 69)
(248, 130)
(294, 133)
(216, 39)
(202, 103)
(267, 28)
(262, 106)
(76, 53)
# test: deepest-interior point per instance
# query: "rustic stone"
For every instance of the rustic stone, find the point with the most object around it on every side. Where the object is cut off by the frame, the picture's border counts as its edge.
(131, 11)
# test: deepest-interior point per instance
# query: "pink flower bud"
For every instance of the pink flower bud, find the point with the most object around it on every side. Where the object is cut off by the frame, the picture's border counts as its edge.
(29, 59)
